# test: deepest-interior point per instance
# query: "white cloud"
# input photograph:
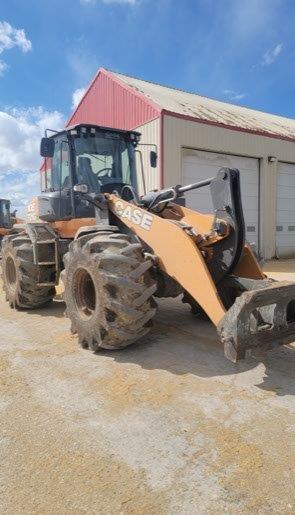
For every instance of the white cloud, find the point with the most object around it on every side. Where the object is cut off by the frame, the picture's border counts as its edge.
(3, 67)
(233, 95)
(20, 133)
(271, 54)
(77, 96)
(11, 37)
(20, 188)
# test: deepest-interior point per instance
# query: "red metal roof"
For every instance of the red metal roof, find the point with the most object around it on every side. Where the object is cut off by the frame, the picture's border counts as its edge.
(124, 102)
(111, 103)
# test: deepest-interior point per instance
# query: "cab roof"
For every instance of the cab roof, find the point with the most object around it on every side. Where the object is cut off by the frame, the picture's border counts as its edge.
(78, 126)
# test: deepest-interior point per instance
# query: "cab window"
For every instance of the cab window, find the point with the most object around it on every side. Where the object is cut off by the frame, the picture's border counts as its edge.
(104, 159)
(57, 168)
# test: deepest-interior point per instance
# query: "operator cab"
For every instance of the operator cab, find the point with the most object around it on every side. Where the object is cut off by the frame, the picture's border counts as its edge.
(105, 161)
(100, 158)
(5, 219)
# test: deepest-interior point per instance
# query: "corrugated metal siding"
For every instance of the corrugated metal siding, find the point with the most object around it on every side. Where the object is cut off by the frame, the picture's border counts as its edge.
(179, 133)
(150, 133)
(109, 104)
(210, 110)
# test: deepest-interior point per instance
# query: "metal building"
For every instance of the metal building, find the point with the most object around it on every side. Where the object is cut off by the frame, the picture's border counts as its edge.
(195, 136)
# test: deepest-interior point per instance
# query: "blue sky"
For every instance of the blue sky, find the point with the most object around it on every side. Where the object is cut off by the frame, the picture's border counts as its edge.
(236, 50)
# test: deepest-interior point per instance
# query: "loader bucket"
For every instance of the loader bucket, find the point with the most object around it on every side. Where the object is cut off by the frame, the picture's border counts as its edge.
(259, 320)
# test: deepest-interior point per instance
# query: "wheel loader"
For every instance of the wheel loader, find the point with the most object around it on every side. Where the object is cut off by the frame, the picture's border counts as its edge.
(116, 251)
(7, 219)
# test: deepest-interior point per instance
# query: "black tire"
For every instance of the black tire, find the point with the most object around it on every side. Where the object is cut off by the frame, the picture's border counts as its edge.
(108, 290)
(20, 274)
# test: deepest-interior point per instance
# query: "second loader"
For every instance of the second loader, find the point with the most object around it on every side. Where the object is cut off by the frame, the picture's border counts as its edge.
(116, 251)
(7, 219)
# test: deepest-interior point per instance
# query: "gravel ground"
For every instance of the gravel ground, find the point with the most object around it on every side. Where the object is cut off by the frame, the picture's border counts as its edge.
(167, 426)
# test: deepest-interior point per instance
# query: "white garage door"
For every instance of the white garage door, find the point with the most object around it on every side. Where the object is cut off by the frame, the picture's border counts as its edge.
(285, 234)
(198, 165)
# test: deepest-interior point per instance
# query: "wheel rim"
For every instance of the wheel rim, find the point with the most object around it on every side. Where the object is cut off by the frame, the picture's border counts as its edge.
(10, 273)
(84, 293)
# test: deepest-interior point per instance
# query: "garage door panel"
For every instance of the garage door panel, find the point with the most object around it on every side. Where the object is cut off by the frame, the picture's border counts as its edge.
(284, 244)
(199, 165)
(249, 181)
(251, 190)
(286, 193)
(286, 169)
(285, 226)
(248, 178)
(191, 176)
(282, 203)
(287, 252)
(250, 208)
(200, 202)
(284, 239)
(252, 215)
(205, 165)
(286, 216)
(286, 180)
(206, 171)
(204, 199)
(215, 159)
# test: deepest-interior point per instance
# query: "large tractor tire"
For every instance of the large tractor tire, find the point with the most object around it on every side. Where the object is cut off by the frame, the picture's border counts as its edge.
(108, 290)
(20, 274)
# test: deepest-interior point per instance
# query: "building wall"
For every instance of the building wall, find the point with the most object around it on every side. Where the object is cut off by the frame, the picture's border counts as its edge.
(150, 133)
(112, 104)
(180, 133)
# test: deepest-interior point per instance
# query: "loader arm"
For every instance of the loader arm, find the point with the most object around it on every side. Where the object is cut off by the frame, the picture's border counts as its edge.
(197, 250)
(208, 257)
(176, 251)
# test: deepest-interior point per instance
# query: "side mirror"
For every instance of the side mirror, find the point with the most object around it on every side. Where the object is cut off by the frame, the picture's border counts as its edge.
(47, 147)
(81, 188)
(153, 159)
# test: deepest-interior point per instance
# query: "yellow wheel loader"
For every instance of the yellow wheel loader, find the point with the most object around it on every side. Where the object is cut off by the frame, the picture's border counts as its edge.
(116, 251)
(7, 219)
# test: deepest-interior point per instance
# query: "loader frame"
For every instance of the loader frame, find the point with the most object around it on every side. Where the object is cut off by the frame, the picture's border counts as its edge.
(131, 248)
(185, 255)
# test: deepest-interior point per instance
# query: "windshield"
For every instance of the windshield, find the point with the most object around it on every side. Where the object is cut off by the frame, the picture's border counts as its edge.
(4, 214)
(104, 161)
